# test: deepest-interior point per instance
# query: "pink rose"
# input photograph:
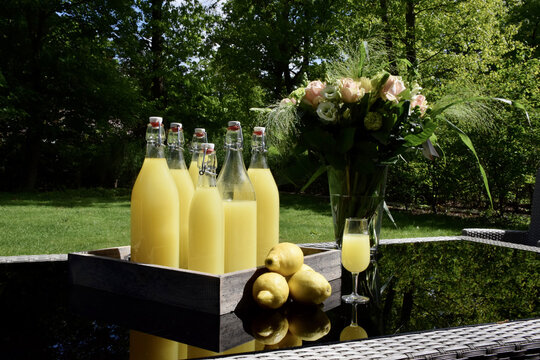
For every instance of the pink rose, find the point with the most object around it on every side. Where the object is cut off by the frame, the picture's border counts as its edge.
(288, 101)
(420, 101)
(392, 88)
(350, 90)
(313, 95)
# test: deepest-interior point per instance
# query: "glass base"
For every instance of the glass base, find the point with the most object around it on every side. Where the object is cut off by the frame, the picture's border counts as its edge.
(355, 299)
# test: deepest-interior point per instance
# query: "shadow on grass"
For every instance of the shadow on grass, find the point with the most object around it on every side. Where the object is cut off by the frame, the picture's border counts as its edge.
(69, 198)
(318, 204)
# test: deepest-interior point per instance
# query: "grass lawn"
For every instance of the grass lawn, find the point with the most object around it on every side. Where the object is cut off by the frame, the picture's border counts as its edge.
(77, 220)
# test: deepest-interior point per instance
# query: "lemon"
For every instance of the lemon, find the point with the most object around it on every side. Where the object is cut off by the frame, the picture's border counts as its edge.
(270, 290)
(353, 332)
(306, 267)
(290, 340)
(308, 323)
(309, 286)
(269, 328)
(284, 258)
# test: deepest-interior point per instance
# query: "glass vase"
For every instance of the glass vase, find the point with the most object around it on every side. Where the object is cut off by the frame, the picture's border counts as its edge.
(360, 195)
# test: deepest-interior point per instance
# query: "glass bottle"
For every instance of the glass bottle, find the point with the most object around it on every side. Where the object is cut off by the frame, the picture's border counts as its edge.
(154, 205)
(206, 225)
(184, 185)
(267, 195)
(240, 207)
(199, 137)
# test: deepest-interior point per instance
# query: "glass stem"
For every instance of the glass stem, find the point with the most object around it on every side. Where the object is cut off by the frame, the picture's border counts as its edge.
(355, 283)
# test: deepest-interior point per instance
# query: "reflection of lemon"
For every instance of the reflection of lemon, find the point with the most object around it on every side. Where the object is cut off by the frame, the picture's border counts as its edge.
(269, 328)
(270, 290)
(308, 323)
(284, 258)
(290, 340)
(353, 332)
(309, 286)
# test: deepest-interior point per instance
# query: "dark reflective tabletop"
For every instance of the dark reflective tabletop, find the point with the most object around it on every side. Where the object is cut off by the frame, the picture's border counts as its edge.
(412, 287)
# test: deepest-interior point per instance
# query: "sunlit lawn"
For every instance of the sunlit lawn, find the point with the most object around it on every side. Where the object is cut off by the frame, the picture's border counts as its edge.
(62, 222)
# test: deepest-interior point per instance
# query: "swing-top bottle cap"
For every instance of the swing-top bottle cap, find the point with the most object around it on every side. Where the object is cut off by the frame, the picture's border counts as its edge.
(233, 125)
(199, 132)
(175, 127)
(155, 121)
(259, 130)
(208, 147)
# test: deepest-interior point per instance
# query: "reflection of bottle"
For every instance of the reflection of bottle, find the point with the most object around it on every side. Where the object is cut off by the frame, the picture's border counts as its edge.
(267, 196)
(184, 185)
(353, 331)
(199, 137)
(240, 207)
(144, 346)
(154, 205)
(206, 226)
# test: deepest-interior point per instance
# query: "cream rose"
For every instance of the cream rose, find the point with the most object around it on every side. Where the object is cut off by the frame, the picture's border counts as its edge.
(350, 90)
(392, 88)
(420, 101)
(290, 101)
(314, 95)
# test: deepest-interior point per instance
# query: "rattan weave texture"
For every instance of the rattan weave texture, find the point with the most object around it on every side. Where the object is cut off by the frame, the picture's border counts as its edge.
(516, 340)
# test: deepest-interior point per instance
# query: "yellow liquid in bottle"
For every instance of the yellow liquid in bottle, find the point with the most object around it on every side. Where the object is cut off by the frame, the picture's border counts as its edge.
(144, 346)
(194, 172)
(185, 194)
(355, 252)
(154, 215)
(206, 232)
(240, 234)
(267, 196)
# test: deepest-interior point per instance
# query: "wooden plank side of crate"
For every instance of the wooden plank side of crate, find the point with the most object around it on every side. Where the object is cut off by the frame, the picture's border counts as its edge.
(195, 290)
(326, 262)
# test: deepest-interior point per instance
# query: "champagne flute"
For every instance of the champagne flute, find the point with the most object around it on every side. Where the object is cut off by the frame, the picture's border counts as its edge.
(353, 331)
(355, 255)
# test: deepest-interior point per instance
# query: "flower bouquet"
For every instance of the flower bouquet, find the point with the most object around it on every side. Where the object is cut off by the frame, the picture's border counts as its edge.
(357, 125)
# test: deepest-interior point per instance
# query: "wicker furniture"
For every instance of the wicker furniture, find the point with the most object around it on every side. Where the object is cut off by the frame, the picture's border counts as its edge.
(530, 237)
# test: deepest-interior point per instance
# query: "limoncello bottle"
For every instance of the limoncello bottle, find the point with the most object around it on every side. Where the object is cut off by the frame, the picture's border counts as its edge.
(206, 225)
(239, 204)
(267, 195)
(199, 137)
(154, 205)
(184, 185)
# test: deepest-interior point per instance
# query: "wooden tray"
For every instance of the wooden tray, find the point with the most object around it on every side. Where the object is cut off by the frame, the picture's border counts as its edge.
(109, 270)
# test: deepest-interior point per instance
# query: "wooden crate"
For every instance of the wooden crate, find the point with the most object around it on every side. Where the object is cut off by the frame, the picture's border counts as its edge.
(109, 270)
(208, 331)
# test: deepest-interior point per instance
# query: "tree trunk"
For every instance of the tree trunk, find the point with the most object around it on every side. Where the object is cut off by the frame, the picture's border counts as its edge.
(388, 37)
(410, 34)
(158, 87)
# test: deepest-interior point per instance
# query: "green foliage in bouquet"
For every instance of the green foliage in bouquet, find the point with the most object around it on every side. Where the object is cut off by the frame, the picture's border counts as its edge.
(362, 117)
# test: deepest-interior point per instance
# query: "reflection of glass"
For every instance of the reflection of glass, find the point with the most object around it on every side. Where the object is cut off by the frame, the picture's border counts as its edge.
(355, 254)
(353, 331)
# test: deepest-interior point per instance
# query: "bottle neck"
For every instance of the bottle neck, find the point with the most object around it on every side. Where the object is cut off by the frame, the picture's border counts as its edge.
(258, 158)
(233, 182)
(175, 157)
(207, 170)
(155, 150)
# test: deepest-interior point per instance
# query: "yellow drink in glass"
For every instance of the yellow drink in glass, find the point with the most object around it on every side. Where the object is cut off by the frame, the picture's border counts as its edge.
(154, 215)
(185, 194)
(206, 231)
(355, 252)
(267, 195)
(240, 234)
